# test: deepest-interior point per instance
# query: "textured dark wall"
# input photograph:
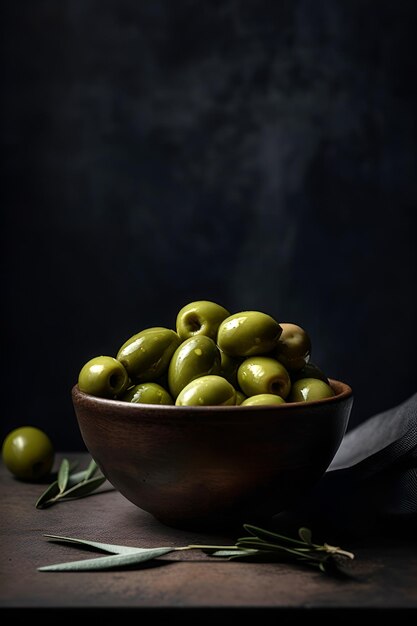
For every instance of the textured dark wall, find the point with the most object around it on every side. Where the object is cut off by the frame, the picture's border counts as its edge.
(261, 154)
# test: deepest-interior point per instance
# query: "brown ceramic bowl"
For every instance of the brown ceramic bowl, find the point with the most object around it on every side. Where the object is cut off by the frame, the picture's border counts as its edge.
(217, 465)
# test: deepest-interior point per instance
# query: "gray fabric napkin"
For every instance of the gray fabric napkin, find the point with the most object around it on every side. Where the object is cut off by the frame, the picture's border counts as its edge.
(372, 482)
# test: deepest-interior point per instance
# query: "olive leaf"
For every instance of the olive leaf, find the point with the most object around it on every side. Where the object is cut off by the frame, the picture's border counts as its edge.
(105, 547)
(63, 474)
(73, 479)
(225, 553)
(48, 496)
(91, 470)
(263, 546)
(108, 562)
(234, 554)
(305, 535)
(70, 485)
(85, 487)
(268, 535)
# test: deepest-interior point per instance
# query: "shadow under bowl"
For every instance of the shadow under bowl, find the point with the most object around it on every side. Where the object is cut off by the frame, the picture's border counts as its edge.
(213, 466)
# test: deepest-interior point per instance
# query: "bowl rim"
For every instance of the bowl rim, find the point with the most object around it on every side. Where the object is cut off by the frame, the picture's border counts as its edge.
(346, 392)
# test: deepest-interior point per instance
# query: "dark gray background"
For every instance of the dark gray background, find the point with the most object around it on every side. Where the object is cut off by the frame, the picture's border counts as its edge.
(260, 154)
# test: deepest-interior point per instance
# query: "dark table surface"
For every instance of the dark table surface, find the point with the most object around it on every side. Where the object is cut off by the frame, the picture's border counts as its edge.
(191, 583)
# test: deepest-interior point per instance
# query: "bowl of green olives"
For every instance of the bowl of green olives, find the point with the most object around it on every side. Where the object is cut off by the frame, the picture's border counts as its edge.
(222, 419)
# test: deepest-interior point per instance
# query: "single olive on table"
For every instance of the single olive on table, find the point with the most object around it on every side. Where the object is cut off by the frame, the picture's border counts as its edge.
(28, 453)
(213, 357)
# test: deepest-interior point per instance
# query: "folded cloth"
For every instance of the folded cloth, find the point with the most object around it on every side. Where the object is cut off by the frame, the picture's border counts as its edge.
(372, 480)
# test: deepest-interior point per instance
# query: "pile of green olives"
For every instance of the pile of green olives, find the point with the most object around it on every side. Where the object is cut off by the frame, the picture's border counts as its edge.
(212, 357)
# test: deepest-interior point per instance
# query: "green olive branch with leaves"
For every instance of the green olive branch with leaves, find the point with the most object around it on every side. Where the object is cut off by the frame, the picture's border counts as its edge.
(259, 545)
(69, 485)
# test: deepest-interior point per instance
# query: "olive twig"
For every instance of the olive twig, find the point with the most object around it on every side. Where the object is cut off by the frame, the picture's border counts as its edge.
(259, 545)
(70, 486)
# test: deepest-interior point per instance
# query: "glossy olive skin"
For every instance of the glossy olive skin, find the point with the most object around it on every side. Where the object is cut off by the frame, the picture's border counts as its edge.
(207, 390)
(103, 376)
(263, 398)
(201, 317)
(294, 347)
(240, 397)
(261, 374)
(28, 453)
(248, 333)
(310, 389)
(194, 357)
(147, 393)
(147, 354)
(229, 366)
(310, 370)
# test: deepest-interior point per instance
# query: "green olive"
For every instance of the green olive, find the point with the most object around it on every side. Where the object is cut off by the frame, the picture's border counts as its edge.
(207, 390)
(147, 354)
(262, 374)
(103, 376)
(147, 393)
(294, 347)
(263, 398)
(28, 453)
(229, 366)
(310, 370)
(248, 333)
(200, 318)
(240, 397)
(309, 389)
(194, 357)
